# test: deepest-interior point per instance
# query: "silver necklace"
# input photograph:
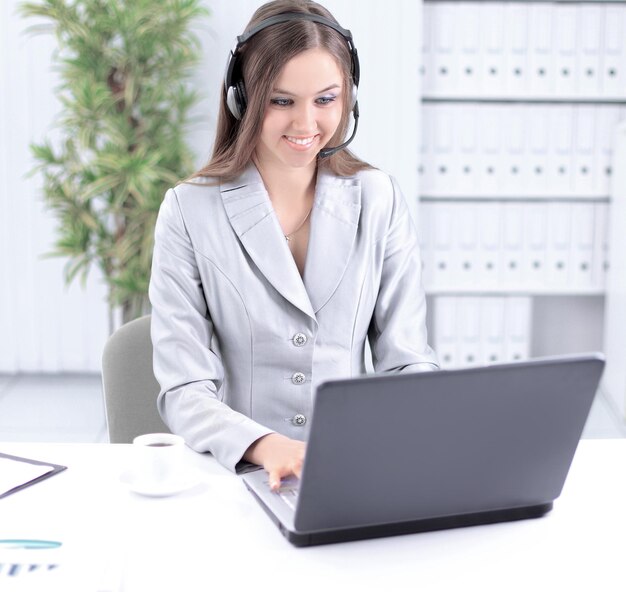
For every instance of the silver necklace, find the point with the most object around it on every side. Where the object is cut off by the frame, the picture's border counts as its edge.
(288, 236)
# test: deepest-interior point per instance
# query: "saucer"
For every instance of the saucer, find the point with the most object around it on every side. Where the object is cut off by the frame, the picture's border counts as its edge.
(183, 482)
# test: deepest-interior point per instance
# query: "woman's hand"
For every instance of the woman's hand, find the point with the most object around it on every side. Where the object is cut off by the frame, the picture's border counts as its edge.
(280, 457)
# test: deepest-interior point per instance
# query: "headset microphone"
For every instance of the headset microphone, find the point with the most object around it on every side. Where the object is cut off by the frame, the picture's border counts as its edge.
(326, 152)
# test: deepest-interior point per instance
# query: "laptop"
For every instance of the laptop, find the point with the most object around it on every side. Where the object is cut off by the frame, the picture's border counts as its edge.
(405, 453)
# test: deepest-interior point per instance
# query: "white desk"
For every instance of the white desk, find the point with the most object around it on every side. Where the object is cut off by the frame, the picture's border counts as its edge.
(216, 537)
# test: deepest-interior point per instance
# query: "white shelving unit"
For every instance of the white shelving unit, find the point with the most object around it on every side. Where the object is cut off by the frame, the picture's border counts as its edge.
(520, 103)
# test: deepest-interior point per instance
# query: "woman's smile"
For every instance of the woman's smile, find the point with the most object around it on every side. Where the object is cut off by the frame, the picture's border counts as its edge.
(301, 144)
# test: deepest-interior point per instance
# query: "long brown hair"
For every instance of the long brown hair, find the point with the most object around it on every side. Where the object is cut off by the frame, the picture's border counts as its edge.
(262, 59)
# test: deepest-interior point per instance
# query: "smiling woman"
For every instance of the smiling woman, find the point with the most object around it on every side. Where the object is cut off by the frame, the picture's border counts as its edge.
(253, 83)
(246, 324)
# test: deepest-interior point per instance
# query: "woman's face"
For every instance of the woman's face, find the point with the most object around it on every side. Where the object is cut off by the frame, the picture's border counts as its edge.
(303, 113)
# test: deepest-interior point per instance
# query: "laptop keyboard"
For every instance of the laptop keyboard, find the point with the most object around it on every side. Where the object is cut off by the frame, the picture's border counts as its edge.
(289, 494)
(288, 491)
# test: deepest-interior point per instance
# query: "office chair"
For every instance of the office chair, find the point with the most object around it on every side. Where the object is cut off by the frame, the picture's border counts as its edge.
(130, 389)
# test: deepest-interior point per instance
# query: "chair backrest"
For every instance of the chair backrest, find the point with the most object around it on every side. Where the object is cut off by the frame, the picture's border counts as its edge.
(130, 389)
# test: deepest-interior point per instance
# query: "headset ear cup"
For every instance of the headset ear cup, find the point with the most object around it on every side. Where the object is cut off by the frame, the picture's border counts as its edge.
(237, 99)
(355, 92)
(231, 102)
(242, 97)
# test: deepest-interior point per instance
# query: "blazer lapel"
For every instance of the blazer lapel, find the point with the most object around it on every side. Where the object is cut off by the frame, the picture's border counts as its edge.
(253, 219)
(334, 223)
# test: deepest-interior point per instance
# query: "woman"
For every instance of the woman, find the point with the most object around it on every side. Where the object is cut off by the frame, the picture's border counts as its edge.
(277, 261)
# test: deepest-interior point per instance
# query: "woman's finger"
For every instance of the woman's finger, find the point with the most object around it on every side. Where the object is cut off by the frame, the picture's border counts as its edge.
(274, 479)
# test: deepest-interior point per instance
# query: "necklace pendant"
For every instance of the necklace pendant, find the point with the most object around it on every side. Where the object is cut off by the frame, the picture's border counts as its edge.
(287, 238)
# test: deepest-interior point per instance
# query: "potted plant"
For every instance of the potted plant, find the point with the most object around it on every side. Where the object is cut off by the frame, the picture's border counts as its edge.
(125, 67)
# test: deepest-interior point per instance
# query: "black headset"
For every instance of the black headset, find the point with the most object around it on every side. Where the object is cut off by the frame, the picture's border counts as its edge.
(236, 96)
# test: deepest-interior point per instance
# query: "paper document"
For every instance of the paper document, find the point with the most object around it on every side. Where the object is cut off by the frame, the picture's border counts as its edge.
(16, 472)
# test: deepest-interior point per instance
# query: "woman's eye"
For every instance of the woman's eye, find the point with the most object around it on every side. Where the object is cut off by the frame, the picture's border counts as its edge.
(281, 102)
(288, 102)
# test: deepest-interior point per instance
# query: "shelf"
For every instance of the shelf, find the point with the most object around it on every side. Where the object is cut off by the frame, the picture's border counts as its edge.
(515, 291)
(514, 199)
(530, 1)
(523, 100)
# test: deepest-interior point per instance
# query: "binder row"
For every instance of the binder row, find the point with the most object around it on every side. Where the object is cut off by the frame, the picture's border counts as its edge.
(472, 331)
(539, 50)
(513, 150)
(540, 247)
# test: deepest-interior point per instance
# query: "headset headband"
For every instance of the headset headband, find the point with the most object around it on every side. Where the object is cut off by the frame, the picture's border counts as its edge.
(283, 18)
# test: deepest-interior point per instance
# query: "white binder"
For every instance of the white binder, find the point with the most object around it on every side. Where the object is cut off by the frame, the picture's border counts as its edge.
(443, 243)
(607, 119)
(606, 253)
(584, 166)
(516, 18)
(539, 145)
(581, 256)
(590, 29)
(512, 245)
(489, 118)
(492, 325)
(535, 245)
(492, 37)
(517, 328)
(446, 331)
(489, 255)
(469, 322)
(428, 58)
(465, 164)
(600, 246)
(559, 245)
(614, 63)
(469, 56)
(513, 175)
(444, 75)
(565, 49)
(443, 144)
(466, 235)
(559, 166)
(540, 50)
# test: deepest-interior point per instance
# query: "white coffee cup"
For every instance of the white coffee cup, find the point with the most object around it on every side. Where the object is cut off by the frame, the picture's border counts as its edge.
(158, 459)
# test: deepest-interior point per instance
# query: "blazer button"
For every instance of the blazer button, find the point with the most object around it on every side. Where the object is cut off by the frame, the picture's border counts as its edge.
(299, 339)
(299, 419)
(298, 378)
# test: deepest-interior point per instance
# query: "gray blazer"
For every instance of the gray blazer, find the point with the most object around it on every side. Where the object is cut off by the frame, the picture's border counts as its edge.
(241, 339)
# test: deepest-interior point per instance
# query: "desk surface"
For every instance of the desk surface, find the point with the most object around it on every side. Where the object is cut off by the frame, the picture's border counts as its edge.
(216, 533)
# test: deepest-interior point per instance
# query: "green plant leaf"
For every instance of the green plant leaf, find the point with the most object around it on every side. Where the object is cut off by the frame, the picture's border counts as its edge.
(125, 67)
